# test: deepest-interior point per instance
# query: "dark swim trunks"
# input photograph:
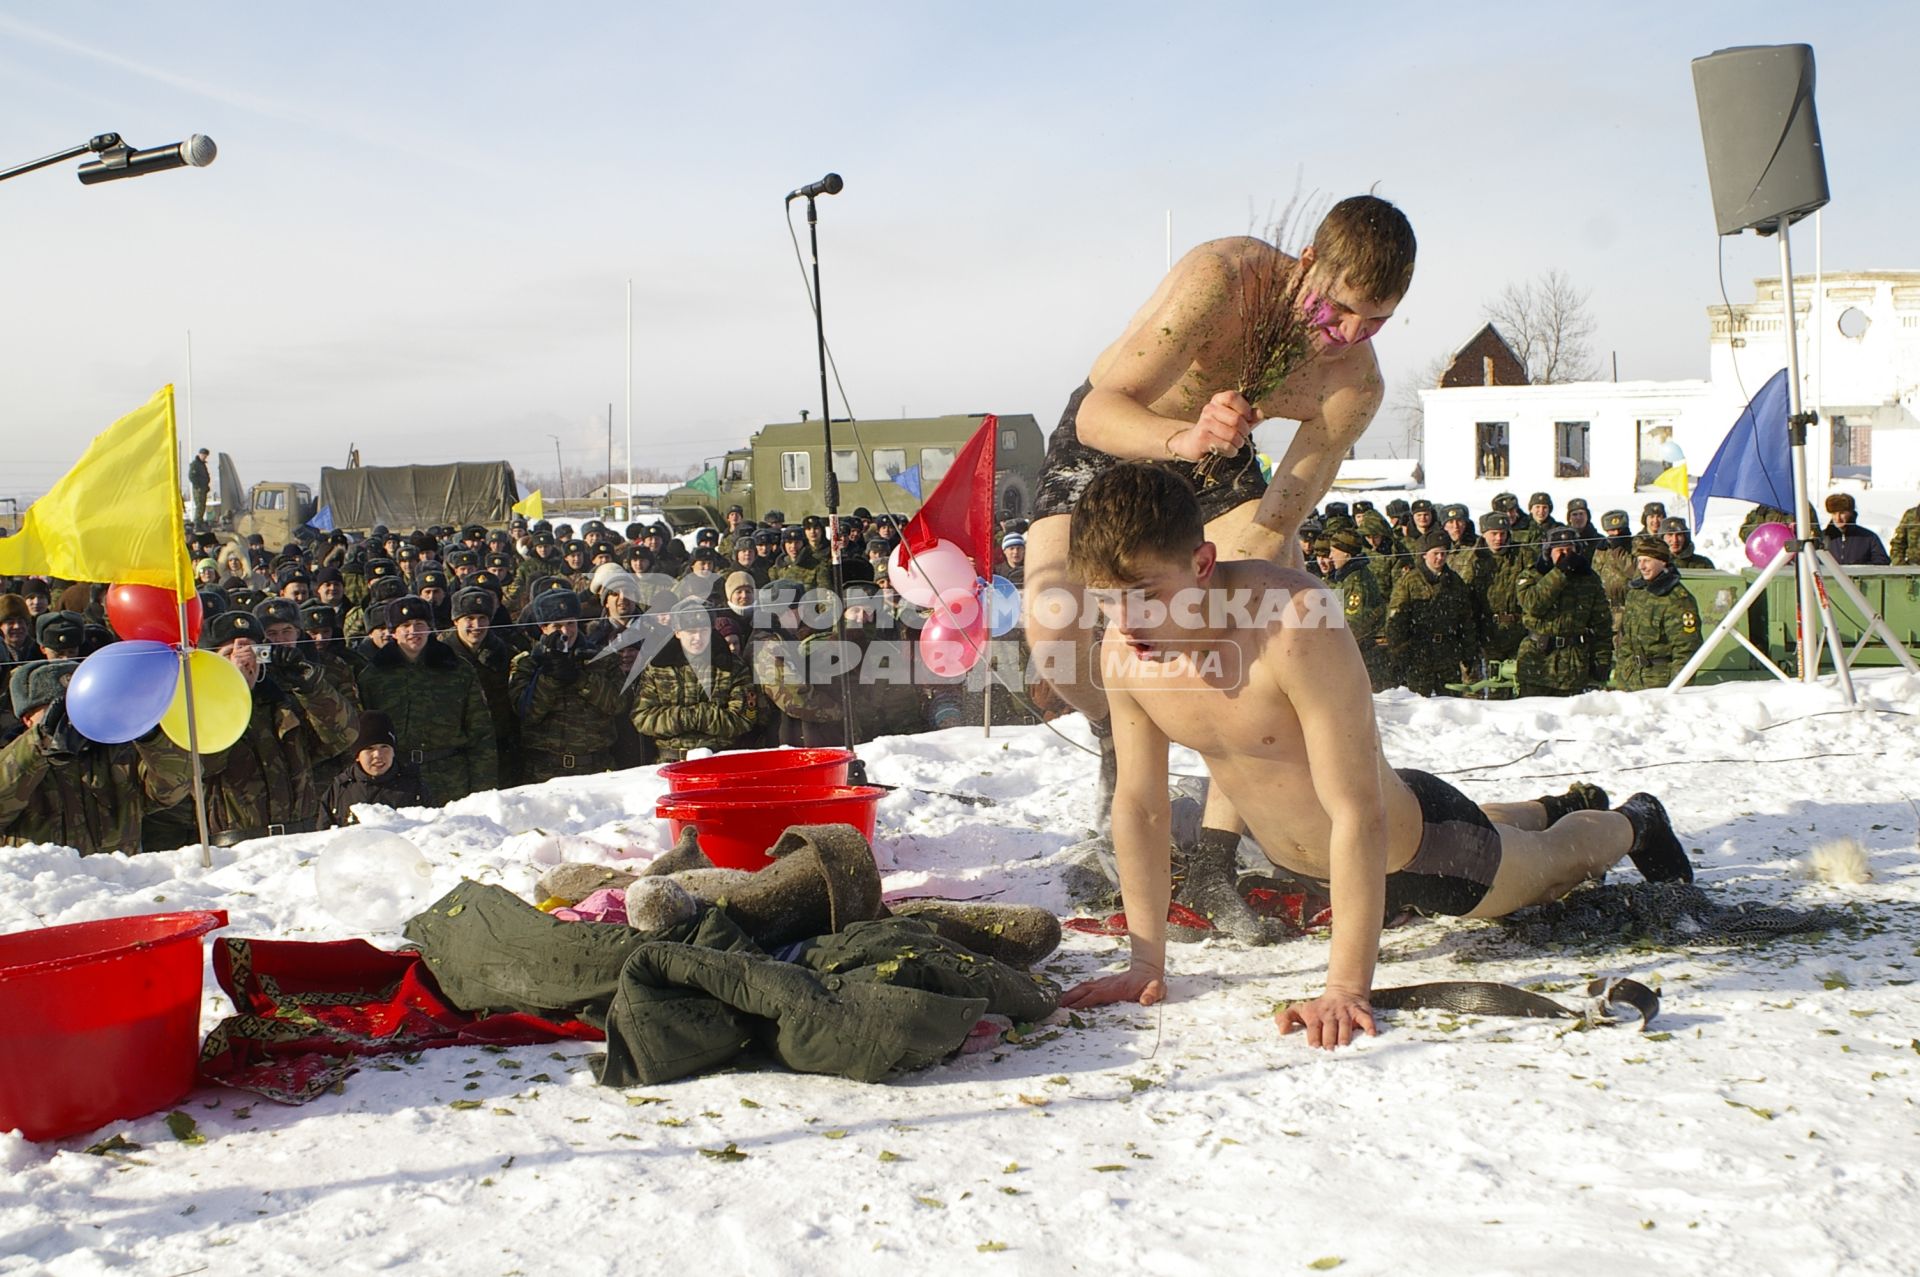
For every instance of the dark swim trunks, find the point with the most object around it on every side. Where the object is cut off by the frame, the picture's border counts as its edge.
(1071, 466)
(1452, 869)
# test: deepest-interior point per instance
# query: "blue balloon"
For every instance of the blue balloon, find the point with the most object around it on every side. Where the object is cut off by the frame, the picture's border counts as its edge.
(1003, 606)
(119, 693)
(1670, 453)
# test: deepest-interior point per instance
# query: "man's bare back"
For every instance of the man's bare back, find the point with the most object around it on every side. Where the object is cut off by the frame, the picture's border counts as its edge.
(1221, 696)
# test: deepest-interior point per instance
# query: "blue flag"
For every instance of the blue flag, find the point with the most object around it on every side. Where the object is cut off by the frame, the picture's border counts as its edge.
(1754, 462)
(910, 480)
(322, 521)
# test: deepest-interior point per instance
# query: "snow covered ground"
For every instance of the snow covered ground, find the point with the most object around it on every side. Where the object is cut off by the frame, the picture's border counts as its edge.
(1768, 1126)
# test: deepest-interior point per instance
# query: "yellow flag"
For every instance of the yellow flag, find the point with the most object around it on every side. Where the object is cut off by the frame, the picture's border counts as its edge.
(117, 515)
(531, 505)
(1674, 480)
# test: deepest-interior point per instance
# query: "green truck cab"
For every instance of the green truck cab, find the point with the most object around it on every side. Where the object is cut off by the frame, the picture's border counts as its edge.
(783, 467)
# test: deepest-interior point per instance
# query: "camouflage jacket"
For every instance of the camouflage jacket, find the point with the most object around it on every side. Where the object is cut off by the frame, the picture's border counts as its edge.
(267, 776)
(1430, 629)
(1903, 551)
(1362, 602)
(568, 702)
(813, 571)
(1505, 626)
(1659, 630)
(439, 715)
(492, 664)
(683, 707)
(780, 672)
(92, 800)
(1569, 642)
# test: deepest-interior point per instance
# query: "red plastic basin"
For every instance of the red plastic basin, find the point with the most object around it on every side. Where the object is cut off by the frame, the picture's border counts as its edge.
(819, 767)
(99, 1020)
(737, 825)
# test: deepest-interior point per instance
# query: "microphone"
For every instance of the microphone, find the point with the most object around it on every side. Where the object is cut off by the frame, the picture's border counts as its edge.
(197, 151)
(828, 185)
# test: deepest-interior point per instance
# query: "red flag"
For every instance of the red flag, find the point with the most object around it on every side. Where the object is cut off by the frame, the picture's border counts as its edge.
(961, 508)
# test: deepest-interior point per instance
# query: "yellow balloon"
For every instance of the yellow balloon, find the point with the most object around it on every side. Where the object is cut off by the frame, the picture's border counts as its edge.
(222, 704)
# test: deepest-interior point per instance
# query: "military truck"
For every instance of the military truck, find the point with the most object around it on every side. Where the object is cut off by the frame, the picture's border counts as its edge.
(782, 467)
(355, 499)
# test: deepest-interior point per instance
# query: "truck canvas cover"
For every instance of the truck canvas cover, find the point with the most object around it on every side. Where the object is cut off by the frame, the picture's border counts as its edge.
(417, 496)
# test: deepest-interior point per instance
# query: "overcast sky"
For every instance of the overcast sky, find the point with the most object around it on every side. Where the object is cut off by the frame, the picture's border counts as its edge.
(418, 233)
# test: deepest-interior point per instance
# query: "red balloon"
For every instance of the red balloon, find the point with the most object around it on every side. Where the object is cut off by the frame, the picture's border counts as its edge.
(955, 635)
(149, 612)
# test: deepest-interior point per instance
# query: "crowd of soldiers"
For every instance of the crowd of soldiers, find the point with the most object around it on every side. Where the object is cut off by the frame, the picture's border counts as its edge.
(1439, 600)
(421, 668)
(417, 669)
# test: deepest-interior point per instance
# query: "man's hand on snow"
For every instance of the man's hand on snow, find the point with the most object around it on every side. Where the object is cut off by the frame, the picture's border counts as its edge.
(1143, 985)
(1331, 1020)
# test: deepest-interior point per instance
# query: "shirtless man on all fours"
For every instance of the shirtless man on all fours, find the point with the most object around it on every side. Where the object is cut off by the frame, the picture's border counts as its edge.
(1251, 665)
(1174, 390)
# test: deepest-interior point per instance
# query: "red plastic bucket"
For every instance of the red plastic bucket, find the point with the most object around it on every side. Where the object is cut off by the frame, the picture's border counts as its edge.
(101, 1020)
(738, 824)
(823, 768)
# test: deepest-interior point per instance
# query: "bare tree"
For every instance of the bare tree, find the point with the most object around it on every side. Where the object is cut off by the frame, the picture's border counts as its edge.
(1405, 403)
(1548, 325)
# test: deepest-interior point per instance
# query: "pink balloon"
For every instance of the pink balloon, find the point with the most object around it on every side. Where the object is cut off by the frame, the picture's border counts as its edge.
(1764, 542)
(960, 608)
(950, 649)
(922, 578)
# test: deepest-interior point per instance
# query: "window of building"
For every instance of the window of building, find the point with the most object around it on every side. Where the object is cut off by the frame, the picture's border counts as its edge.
(1490, 449)
(796, 472)
(934, 464)
(846, 465)
(1655, 452)
(1570, 457)
(888, 462)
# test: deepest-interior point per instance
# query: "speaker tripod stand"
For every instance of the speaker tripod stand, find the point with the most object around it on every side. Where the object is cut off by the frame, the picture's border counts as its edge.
(1813, 565)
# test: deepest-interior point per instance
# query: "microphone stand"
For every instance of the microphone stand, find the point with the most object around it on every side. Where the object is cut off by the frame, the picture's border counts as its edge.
(103, 142)
(832, 488)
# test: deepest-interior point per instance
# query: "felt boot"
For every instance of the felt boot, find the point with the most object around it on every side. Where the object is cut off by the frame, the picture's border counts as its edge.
(1656, 852)
(576, 880)
(822, 878)
(1018, 935)
(1210, 887)
(685, 854)
(1580, 796)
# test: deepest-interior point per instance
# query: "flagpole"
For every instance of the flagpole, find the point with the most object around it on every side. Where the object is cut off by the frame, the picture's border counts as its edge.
(189, 399)
(193, 739)
(629, 502)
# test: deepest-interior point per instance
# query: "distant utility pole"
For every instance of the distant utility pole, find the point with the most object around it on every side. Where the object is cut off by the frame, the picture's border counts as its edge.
(559, 468)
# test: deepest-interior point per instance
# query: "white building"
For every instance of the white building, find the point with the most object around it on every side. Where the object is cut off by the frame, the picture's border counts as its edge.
(1859, 338)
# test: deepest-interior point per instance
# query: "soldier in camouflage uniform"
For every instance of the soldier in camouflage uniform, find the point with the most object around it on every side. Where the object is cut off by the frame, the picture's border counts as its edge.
(1903, 550)
(1505, 626)
(1680, 540)
(491, 661)
(1661, 627)
(568, 701)
(434, 700)
(263, 783)
(1361, 602)
(1613, 562)
(802, 565)
(696, 693)
(56, 786)
(1385, 558)
(1569, 644)
(1430, 623)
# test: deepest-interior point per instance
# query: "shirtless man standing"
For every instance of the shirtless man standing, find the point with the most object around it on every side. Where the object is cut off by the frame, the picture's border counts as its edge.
(1169, 390)
(1251, 665)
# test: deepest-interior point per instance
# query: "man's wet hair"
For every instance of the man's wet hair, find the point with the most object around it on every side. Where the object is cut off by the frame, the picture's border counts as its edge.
(1371, 243)
(1134, 517)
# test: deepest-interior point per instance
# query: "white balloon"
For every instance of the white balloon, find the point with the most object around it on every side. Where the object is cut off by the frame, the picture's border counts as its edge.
(939, 569)
(373, 880)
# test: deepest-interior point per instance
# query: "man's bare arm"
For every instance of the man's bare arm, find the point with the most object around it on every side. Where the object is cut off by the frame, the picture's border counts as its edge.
(1191, 321)
(1305, 474)
(1319, 669)
(1142, 829)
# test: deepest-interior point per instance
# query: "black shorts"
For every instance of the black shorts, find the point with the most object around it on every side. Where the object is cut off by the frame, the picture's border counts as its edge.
(1071, 466)
(1452, 870)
